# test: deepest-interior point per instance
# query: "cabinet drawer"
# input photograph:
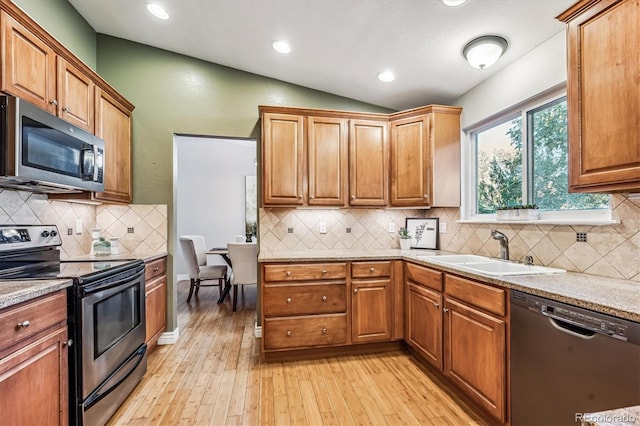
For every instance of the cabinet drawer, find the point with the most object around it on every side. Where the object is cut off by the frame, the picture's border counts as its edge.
(371, 269)
(317, 330)
(304, 299)
(155, 268)
(424, 276)
(302, 272)
(35, 316)
(483, 296)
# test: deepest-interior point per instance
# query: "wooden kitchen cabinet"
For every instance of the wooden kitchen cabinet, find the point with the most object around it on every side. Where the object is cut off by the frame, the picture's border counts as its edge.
(33, 71)
(328, 161)
(425, 148)
(113, 124)
(603, 45)
(368, 163)
(475, 342)
(371, 301)
(423, 312)
(33, 362)
(156, 300)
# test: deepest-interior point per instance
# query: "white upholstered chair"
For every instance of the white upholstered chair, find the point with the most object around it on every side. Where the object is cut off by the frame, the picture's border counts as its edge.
(194, 250)
(244, 266)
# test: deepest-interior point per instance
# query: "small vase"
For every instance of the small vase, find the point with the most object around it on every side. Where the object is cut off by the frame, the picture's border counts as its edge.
(405, 243)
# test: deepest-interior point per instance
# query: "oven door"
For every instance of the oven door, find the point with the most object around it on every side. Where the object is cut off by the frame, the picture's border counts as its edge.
(112, 320)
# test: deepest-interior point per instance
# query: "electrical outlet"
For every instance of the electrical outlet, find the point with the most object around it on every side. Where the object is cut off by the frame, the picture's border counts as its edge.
(69, 231)
(78, 226)
(392, 227)
(443, 227)
(323, 227)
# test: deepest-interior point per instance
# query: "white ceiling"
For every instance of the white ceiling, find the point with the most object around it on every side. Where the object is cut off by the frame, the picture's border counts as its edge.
(339, 46)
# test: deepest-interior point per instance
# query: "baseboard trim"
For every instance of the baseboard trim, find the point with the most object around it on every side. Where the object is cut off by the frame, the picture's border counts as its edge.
(257, 331)
(169, 337)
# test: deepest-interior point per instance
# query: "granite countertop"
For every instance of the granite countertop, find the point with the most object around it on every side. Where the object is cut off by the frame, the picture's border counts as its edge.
(146, 256)
(618, 417)
(612, 296)
(18, 291)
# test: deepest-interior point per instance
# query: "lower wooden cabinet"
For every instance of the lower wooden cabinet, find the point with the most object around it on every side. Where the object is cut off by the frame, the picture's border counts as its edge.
(156, 300)
(309, 331)
(371, 310)
(424, 323)
(33, 363)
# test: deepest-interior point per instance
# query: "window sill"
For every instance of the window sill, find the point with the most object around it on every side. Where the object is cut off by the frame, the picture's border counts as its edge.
(588, 222)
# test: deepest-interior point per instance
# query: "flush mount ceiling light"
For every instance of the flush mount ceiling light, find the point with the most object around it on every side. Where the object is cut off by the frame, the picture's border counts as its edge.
(158, 11)
(484, 51)
(386, 76)
(281, 46)
(453, 3)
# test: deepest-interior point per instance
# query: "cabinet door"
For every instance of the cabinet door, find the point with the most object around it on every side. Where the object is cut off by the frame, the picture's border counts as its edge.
(603, 103)
(283, 159)
(28, 65)
(475, 355)
(410, 171)
(368, 163)
(113, 124)
(156, 309)
(371, 311)
(75, 96)
(424, 323)
(33, 382)
(328, 166)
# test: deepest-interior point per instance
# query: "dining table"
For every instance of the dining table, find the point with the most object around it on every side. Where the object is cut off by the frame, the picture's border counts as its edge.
(224, 253)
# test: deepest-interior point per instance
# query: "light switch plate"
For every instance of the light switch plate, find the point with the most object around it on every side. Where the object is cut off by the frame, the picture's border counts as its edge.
(323, 227)
(392, 227)
(78, 226)
(443, 227)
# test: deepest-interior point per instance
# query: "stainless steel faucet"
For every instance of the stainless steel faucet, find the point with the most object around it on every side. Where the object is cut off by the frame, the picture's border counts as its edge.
(504, 243)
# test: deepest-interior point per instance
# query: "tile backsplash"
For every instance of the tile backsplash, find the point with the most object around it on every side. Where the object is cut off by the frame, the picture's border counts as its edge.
(149, 222)
(612, 250)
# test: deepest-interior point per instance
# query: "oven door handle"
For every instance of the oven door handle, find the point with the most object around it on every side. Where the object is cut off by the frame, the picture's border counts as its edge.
(96, 287)
(117, 377)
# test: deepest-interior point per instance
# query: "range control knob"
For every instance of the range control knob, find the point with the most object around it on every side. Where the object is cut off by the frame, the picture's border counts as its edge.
(53, 233)
(45, 234)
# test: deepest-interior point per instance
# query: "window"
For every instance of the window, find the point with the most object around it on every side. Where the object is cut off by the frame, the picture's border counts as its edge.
(521, 158)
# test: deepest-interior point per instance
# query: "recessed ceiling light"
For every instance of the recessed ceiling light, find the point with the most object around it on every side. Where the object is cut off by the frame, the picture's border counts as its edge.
(386, 76)
(453, 3)
(158, 11)
(281, 46)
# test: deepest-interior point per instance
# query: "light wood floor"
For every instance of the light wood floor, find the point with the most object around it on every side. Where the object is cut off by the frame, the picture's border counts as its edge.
(213, 375)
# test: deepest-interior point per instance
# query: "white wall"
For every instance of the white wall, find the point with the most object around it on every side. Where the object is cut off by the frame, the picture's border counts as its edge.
(210, 189)
(541, 69)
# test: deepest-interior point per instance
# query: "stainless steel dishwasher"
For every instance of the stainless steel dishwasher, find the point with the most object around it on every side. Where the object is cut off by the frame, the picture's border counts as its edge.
(567, 360)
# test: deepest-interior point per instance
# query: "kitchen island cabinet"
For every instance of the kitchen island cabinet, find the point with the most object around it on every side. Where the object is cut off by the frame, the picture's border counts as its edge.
(33, 362)
(603, 64)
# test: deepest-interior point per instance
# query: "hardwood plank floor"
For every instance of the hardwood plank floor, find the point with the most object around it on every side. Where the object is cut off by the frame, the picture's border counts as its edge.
(213, 376)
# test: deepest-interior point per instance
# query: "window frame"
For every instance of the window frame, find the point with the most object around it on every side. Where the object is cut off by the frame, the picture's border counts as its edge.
(523, 110)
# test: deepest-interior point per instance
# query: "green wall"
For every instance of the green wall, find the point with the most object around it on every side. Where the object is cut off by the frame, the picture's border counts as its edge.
(62, 21)
(178, 94)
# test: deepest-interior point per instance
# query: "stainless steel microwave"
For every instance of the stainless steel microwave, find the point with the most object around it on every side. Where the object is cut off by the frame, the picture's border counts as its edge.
(43, 153)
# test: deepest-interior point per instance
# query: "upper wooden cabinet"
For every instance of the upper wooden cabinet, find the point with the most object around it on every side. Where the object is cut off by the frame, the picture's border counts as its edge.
(328, 167)
(33, 71)
(113, 124)
(603, 79)
(425, 157)
(368, 163)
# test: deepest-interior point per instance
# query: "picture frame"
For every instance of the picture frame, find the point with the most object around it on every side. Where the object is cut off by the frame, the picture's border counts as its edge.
(424, 231)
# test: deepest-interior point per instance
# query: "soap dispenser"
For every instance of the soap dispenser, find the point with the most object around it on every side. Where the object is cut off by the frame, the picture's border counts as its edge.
(95, 240)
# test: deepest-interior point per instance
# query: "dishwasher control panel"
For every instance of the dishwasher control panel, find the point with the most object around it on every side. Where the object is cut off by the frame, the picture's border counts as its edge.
(584, 320)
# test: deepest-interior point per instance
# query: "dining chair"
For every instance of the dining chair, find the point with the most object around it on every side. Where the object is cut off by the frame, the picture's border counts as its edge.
(194, 248)
(244, 266)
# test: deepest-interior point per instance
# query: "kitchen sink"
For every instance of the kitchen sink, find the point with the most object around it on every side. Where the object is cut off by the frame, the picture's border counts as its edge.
(490, 266)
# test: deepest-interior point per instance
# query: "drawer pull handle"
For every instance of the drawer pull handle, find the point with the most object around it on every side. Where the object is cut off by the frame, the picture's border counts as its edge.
(436, 304)
(288, 273)
(324, 272)
(355, 290)
(23, 324)
(324, 330)
(324, 298)
(372, 270)
(288, 300)
(289, 333)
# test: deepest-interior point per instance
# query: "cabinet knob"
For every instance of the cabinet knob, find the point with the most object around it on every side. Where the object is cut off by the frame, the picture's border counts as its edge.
(311, 196)
(445, 310)
(353, 197)
(23, 324)
(68, 343)
(289, 333)
(53, 102)
(324, 298)
(426, 196)
(437, 305)
(288, 300)
(324, 272)
(156, 269)
(66, 109)
(324, 330)
(288, 273)
(355, 290)
(372, 270)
